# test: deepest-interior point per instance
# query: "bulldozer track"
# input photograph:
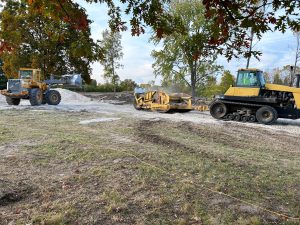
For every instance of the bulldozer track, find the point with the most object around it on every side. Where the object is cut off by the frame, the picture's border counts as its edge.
(239, 103)
(242, 117)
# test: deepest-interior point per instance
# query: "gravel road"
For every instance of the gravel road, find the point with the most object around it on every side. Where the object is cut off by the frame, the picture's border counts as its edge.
(72, 102)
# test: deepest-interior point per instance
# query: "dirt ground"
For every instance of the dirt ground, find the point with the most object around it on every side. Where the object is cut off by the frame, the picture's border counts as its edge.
(86, 161)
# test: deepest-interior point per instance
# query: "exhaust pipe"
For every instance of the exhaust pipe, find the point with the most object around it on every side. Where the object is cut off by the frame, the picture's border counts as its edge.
(298, 80)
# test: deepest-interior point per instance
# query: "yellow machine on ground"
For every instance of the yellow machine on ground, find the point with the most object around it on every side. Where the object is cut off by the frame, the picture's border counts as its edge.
(251, 100)
(161, 101)
(30, 86)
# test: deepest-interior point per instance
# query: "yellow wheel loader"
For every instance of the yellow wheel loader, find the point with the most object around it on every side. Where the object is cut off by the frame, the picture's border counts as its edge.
(29, 86)
(252, 100)
(161, 101)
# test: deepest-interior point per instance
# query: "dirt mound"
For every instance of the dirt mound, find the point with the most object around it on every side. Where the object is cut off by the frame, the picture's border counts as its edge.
(2, 99)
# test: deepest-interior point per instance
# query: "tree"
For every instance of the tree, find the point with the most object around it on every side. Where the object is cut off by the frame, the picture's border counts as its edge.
(1, 64)
(232, 19)
(127, 85)
(112, 53)
(210, 88)
(277, 79)
(268, 76)
(226, 80)
(30, 38)
(186, 55)
(93, 83)
(287, 74)
(297, 57)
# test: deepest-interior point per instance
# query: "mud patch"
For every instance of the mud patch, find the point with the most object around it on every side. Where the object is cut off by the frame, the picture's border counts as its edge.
(11, 149)
(11, 193)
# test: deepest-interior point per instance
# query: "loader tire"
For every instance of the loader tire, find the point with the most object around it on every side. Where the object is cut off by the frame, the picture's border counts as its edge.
(35, 97)
(53, 97)
(266, 115)
(13, 101)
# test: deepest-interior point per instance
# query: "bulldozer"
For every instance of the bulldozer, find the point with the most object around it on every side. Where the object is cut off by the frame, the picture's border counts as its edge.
(161, 101)
(30, 86)
(251, 99)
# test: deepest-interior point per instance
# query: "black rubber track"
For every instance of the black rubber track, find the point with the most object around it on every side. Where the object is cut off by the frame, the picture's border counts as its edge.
(266, 115)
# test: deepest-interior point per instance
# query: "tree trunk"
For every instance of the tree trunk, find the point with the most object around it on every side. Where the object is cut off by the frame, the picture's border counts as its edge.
(250, 48)
(113, 75)
(193, 81)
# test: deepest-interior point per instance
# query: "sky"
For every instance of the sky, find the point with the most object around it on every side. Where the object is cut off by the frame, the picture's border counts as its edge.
(277, 50)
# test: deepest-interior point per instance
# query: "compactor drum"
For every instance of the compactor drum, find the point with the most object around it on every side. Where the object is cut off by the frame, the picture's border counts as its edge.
(252, 100)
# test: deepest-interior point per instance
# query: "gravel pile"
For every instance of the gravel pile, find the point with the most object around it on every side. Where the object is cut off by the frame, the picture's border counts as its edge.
(2, 99)
(68, 96)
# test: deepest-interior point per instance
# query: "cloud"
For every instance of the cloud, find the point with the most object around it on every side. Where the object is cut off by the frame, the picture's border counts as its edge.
(277, 50)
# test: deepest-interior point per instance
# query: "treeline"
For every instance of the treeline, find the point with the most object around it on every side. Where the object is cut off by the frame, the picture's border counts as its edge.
(282, 76)
(208, 88)
(125, 85)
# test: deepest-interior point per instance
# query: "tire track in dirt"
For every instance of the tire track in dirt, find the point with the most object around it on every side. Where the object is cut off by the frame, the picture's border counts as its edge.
(144, 130)
(145, 134)
(242, 137)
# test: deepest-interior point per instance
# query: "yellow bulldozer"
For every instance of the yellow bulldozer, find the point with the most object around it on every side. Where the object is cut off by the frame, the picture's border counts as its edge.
(30, 86)
(251, 99)
(161, 101)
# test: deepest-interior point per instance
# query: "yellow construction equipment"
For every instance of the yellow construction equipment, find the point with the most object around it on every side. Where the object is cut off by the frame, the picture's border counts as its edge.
(162, 102)
(252, 100)
(30, 86)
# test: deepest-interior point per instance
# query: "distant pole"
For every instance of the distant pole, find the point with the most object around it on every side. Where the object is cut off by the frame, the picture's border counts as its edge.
(291, 75)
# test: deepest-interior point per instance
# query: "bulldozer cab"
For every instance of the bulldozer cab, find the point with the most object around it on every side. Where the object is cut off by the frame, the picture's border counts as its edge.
(250, 78)
(249, 82)
(30, 74)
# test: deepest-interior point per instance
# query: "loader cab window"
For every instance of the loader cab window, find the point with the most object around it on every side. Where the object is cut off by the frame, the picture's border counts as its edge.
(248, 79)
(26, 74)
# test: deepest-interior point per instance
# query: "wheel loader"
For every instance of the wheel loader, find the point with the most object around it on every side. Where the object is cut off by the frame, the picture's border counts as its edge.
(30, 86)
(251, 99)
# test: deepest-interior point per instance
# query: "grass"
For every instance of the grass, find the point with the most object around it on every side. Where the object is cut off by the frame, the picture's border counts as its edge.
(145, 172)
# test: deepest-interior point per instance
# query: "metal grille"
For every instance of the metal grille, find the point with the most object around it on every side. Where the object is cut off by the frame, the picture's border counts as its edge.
(14, 86)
